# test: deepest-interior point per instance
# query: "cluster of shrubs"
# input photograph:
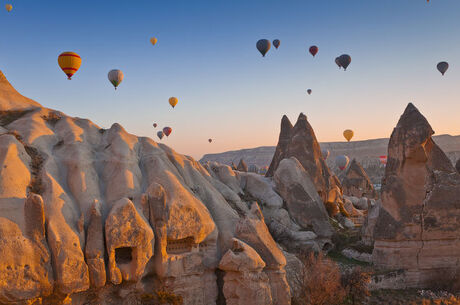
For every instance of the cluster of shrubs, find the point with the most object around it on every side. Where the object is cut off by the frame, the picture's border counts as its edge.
(320, 282)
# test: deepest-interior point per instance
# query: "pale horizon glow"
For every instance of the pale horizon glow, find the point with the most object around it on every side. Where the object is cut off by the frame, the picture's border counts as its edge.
(206, 57)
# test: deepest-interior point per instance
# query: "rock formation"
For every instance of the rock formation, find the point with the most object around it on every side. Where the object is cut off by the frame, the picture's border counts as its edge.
(300, 142)
(120, 209)
(417, 228)
(356, 182)
(457, 166)
(242, 167)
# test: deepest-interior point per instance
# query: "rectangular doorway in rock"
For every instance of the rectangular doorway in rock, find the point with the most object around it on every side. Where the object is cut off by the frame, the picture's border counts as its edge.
(123, 255)
(178, 246)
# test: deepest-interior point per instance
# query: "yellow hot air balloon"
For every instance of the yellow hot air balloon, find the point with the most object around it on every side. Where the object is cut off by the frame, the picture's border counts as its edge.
(153, 40)
(9, 7)
(69, 62)
(348, 134)
(173, 101)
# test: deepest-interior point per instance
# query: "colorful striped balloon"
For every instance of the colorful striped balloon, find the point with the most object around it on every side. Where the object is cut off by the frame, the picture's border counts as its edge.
(69, 62)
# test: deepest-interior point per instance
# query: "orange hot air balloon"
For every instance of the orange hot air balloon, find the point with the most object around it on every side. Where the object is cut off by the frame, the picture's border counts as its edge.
(173, 101)
(348, 134)
(69, 62)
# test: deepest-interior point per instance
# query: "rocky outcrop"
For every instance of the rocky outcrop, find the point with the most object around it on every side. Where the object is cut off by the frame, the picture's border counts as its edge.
(242, 167)
(417, 228)
(457, 166)
(300, 142)
(244, 280)
(124, 215)
(356, 182)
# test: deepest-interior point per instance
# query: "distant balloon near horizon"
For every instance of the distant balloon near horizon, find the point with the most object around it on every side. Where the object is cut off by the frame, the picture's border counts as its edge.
(344, 61)
(115, 77)
(337, 62)
(210, 140)
(160, 134)
(348, 134)
(276, 43)
(69, 62)
(342, 161)
(383, 160)
(313, 50)
(173, 101)
(167, 131)
(443, 66)
(325, 153)
(9, 7)
(263, 45)
(309, 91)
(155, 125)
(153, 41)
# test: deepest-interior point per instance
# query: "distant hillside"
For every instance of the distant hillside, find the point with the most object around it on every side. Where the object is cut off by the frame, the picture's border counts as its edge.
(366, 152)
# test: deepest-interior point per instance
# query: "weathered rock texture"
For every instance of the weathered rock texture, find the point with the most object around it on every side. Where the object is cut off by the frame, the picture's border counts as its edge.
(356, 182)
(124, 214)
(300, 142)
(417, 227)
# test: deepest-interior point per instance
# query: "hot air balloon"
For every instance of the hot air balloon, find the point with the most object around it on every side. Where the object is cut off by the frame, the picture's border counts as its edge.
(115, 77)
(167, 131)
(442, 67)
(276, 43)
(313, 50)
(325, 153)
(69, 62)
(309, 91)
(337, 62)
(173, 101)
(348, 134)
(342, 162)
(155, 125)
(9, 7)
(153, 41)
(210, 140)
(383, 159)
(160, 134)
(263, 46)
(344, 61)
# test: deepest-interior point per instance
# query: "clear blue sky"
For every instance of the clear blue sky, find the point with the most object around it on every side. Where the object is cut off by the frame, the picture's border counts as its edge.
(206, 56)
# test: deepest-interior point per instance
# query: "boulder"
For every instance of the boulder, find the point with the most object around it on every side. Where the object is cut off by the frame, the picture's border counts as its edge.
(302, 200)
(417, 228)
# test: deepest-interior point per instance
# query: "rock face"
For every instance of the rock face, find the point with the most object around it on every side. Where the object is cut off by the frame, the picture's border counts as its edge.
(242, 167)
(417, 228)
(356, 182)
(300, 142)
(124, 214)
(457, 166)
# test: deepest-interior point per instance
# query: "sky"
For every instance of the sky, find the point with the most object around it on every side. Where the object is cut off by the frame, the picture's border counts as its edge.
(206, 57)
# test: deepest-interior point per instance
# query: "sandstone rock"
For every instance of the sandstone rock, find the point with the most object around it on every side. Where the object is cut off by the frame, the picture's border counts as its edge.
(417, 228)
(457, 166)
(300, 142)
(367, 230)
(294, 273)
(242, 167)
(302, 200)
(94, 250)
(244, 281)
(356, 182)
(129, 242)
(353, 254)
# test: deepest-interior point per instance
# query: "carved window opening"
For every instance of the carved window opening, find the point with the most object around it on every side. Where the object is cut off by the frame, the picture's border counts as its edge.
(178, 246)
(123, 255)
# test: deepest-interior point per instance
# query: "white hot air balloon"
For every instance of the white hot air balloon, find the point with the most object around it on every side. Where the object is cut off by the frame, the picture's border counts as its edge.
(115, 77)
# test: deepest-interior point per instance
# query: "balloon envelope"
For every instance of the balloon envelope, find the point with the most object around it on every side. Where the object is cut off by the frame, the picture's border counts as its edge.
(155, 125)
(383, 159)
(263, 46)
(442, 67)
(160, 134)
(9, 7)
(167, 131)
(153, 41)
(337, 62)
(69, 62)
(309, 91)
(276, 43)
(348, 134)
(342, 162)
(173, 101)
(344, 61)
(325, 153)
(313, 50)
(115, 77)
(209, 140)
